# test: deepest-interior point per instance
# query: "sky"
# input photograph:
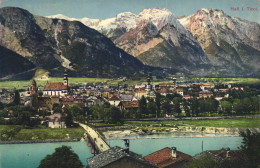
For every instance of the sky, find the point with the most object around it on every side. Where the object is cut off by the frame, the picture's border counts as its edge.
(103, 9)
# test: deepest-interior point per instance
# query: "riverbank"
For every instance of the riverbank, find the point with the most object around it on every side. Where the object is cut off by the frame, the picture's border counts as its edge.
(178, 132)
(38, 141)
(17, 133)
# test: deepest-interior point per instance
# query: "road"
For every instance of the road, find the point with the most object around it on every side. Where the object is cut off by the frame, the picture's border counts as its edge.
(99, 141)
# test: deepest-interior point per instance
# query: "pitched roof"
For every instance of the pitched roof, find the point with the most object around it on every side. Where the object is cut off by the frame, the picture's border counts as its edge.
(130, 104)
(111, 155)
(114, 97)
(163, 158)
(54, 86)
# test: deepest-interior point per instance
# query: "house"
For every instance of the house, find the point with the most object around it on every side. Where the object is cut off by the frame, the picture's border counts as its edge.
(204, 86)
(140, 93)
(57, 120)
(117, 157)
(57, 88)
(187, 97)
(179, 91)
(114, 100)
(168, 157)
(128, 98)
(205, 94)
(128, 105)
(228, 158)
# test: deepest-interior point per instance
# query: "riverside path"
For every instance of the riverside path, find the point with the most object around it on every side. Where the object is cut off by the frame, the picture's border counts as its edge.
(100, 144)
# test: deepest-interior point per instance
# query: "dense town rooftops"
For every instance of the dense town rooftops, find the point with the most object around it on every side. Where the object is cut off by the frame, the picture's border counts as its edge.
(164, 158)
(54, 86)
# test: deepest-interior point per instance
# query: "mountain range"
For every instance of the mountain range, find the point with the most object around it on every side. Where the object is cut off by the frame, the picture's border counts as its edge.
(209, 42)
(208, 38)
(56, 44)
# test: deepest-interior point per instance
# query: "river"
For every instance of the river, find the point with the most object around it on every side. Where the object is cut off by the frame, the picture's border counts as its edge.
(30, 155)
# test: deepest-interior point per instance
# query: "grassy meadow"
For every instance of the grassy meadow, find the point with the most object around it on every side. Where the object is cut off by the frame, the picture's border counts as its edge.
(42, 133)
(74, 80)
(226, 123)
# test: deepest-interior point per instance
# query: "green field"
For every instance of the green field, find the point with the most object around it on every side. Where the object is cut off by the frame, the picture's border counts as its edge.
(234, 80)
(41, 83)
(73, 80)
(44, 133)
(227, 123)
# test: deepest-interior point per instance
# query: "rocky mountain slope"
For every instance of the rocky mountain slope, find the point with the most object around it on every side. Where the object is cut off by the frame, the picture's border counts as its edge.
(155, 37)
(231, 44)
(55, 44)
(12, 63)
(210, 38)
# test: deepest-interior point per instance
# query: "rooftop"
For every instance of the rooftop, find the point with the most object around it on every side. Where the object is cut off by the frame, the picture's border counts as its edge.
(111, 155)
(54, 86)
(163, 158)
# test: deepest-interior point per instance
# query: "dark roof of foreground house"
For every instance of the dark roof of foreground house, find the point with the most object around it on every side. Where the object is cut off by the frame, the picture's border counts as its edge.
(112, 155)
(232, 158)
(164, 158)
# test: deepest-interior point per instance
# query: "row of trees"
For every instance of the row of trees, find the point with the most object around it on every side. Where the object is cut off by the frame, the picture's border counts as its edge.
(240, 106)
(106, 112)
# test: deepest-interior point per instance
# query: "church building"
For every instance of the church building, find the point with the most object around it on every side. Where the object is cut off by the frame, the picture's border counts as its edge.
(57, 88)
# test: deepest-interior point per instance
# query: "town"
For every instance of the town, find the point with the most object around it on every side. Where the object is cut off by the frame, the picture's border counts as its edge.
(63, 105)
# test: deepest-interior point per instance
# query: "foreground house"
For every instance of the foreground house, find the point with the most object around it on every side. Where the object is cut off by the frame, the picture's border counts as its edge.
(228, 158)
(57, 120)
(168, 157)
(117, 157)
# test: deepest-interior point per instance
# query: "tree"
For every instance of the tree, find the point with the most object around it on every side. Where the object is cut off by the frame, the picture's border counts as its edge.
(57, 108)
(226, 107)
(35, 102)
(1, 106)
(63, 157)
(151, 107)
(142, 105)
(69, 119)
(204, 162)
(237, 106)
(75, 110)
(158, 104)
(251, 148)
(166, 106)
(16, 97)
(176, 105)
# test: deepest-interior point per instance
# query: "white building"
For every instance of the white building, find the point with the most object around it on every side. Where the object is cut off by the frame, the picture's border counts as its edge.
(57, 88)
(57, 120)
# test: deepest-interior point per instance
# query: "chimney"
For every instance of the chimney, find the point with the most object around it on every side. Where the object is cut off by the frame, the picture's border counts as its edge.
(228, 153)
(174, 152)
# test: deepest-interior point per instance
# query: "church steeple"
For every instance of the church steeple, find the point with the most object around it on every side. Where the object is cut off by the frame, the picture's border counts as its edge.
(148, 87)
(33, 88)
(65, 79)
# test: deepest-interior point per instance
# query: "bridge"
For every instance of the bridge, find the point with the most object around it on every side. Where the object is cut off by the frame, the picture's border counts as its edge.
(97, 142)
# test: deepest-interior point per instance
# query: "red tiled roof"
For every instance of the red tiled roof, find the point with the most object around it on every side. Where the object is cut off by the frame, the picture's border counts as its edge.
(55, 86)
(163, 158)
(66, 100)
(140, 91)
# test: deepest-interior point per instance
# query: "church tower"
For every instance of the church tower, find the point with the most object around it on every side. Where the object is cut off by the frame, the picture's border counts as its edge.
(33, 88)
(65, 79)
(149, 86)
